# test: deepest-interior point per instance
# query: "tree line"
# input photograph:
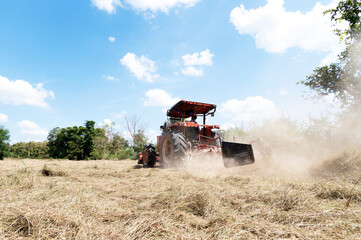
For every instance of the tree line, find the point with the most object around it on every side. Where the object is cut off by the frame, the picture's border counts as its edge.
(79, 143)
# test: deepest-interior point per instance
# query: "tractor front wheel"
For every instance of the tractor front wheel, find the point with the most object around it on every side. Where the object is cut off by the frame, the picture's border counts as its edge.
(149, 155)
(173, 149)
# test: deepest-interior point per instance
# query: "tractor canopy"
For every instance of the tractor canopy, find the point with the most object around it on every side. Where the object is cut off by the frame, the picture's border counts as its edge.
(186, 109)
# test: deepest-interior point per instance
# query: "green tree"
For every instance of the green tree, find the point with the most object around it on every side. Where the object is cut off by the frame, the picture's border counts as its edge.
(140, 139)
(109, 144)
(74, 143)
(38, 150)
(342, 78)
(89, 136)
(4, 142)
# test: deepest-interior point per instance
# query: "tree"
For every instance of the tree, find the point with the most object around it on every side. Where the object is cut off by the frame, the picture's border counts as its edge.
(89, 139)
(37, 150)
(109, 144)
(342, 78)
(74, 143)
(4, 142)
(136, 130)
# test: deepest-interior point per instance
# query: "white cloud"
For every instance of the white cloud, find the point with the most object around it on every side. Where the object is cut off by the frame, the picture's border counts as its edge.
(252, 109)
(107, 5)
(111, 39)
(159, 5)
(3, 118)
(110, 78)
(127, 136)
(20, 92)
(196, 59)
(30, 128)
(143, 5)
(275, 29)
(106, 122)
(202, 58)
(143, 68)
(152, 135)
(119, 115)
(159, 97)
(192, 71)
(283, 91)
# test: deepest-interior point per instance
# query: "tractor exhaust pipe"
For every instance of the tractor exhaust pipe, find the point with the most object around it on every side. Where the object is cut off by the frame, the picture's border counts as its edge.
(237, 154)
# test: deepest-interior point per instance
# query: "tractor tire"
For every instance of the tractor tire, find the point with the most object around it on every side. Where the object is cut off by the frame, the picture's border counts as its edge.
(149, 156)
(173, 149)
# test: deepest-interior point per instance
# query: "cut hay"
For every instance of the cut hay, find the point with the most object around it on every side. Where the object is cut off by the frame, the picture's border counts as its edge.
(114, 200)
(344, 164)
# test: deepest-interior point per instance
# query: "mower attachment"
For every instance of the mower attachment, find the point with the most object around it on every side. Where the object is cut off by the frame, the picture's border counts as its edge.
(237, 154)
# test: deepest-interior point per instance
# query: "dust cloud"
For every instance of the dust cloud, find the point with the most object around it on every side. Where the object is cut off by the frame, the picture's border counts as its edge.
(287, 147)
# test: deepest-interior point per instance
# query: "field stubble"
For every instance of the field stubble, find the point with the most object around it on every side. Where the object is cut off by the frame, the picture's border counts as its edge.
(45, 199)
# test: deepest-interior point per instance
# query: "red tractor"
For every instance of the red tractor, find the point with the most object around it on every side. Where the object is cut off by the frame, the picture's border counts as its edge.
(182, 137)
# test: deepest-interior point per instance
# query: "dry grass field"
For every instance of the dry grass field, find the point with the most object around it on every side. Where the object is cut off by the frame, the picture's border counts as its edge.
(60, 199)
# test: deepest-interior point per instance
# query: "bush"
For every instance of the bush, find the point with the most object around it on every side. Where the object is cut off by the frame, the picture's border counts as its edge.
(4, 142)
(37, 150)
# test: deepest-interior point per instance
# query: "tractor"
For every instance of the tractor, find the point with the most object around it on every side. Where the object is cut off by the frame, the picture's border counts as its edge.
(182, 136)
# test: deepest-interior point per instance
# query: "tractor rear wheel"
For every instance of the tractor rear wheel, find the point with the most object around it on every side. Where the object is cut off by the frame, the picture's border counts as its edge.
(149, 156)
(173, 149)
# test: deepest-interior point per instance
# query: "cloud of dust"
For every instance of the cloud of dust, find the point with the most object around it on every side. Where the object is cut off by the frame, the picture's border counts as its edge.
(287, 147)
(284, 147)
(279, 149)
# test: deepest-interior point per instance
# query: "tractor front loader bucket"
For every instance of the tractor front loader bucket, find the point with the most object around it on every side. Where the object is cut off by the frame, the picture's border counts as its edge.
(237, 154)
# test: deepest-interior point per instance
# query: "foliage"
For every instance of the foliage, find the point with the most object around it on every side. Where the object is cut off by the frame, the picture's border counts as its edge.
(89, 136)
(348, 10)
(34, 150)
(81, 142)
(233, 134)
(136, 130)
(109, 144)
(139, 141)
(4, 142)
(342, 79)
(74, 143)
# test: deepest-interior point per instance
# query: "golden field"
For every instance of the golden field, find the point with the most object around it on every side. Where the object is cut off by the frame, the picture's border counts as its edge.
(61, 199)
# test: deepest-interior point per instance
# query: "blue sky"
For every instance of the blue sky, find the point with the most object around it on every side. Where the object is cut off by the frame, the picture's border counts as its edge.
(65, 62)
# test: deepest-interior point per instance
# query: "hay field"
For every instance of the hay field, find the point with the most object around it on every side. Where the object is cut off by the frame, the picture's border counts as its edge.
(60, 199)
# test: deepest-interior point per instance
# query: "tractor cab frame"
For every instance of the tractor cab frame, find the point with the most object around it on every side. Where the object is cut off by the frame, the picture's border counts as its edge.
(182, 117)
(182, 136)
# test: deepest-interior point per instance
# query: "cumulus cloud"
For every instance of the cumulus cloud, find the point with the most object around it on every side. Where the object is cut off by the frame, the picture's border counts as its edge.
(20, 92)
(275, 29)
(192, 71)
(110, 78)
(196, 59)
(111, 39)
(119, 115)
(159, 97)
(252, 109)
(105, 123)
(30, 128)
(143, 5)
(3, 118)
(143, 68)
(107, 5)
(159, 5)
(283, 91)
(202, 58)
